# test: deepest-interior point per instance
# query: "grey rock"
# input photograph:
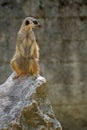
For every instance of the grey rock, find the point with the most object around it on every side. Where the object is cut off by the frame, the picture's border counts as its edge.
(24, 105)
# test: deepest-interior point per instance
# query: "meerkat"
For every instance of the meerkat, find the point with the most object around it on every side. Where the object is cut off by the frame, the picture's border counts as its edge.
(26, 58)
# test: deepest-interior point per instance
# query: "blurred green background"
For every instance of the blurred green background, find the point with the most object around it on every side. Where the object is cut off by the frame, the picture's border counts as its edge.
(63, 52)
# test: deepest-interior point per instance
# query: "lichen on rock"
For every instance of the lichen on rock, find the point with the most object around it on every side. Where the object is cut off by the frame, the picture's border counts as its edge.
(24, 105)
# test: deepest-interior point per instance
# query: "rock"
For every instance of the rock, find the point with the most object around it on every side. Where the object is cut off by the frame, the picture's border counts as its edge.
(24, 105)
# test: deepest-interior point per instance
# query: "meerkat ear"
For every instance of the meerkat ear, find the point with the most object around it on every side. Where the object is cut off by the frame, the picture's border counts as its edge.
(27, 22)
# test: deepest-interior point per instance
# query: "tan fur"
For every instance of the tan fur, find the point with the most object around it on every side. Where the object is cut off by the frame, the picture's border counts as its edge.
(26, 57)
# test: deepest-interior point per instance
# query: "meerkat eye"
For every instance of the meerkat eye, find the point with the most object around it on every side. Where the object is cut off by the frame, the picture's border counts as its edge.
(35, 22)
(27, 22)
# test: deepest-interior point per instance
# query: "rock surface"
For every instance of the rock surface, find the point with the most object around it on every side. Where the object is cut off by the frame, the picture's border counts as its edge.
(24, 105)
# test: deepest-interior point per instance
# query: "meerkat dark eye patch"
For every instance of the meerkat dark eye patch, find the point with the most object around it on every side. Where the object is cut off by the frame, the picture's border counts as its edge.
(27, 22)
(35, 22)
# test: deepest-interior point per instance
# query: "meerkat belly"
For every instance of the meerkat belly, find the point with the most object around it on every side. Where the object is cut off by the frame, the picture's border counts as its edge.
(27, 46)
(23, 63)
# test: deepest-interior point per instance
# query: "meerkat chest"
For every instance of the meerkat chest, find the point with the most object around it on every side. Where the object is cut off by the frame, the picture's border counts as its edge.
(27, 43)
(27, 39)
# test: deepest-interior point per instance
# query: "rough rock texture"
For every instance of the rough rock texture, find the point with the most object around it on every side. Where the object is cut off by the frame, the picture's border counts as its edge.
(24, 105)
(63, 52)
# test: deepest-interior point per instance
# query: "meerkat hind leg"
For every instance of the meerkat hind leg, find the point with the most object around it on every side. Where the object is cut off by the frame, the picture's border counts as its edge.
(16, 69)
(34, 67)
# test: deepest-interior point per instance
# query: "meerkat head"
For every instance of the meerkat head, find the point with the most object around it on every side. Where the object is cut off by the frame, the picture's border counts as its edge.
(30, 23)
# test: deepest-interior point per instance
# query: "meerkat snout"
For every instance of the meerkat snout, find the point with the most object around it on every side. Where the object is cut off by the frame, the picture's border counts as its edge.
(36, 23)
